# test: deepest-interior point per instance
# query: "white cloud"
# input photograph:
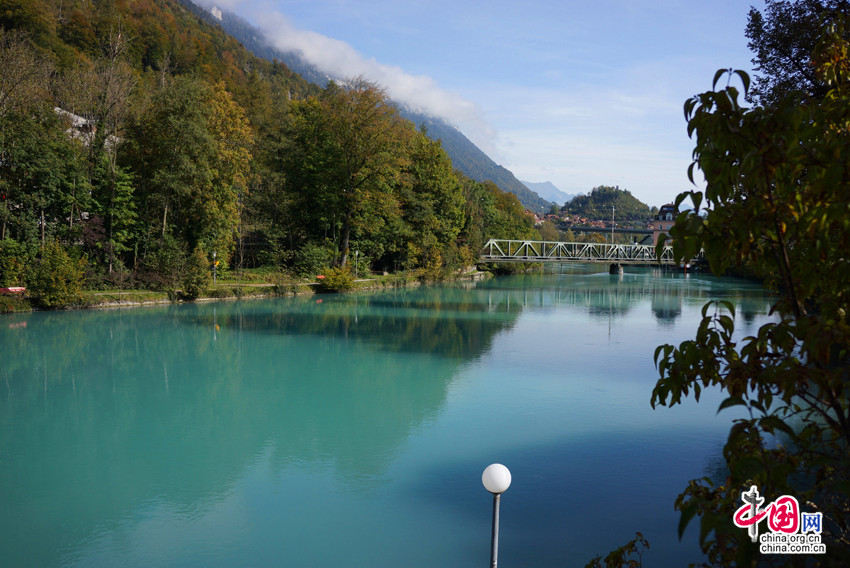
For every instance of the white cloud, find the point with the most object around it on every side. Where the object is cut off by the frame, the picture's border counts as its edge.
(339, 59)
(625, 133)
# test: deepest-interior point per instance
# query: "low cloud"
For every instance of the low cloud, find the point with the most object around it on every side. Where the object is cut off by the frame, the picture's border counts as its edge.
(336, 58)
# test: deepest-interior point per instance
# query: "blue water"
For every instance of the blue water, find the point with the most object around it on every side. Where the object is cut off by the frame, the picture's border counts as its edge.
(353, 429)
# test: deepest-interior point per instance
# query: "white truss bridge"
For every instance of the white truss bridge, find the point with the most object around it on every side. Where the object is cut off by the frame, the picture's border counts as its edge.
(503, 250)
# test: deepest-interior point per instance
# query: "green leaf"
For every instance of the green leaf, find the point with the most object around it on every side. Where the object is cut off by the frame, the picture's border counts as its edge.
(688, 511)
(717, 75)
(728, 306)
(747, 467)
(773, 422)
(745, 79)
(689, 107)
(696, 197)
(731, 401)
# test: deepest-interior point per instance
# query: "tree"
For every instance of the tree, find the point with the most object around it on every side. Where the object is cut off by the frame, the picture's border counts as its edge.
(354, 154)
(170, 149)
(232, 136)
(30, 16)
(23, 72)
(189, 149)
(548, 231)
(109, 229)
(23, 86)
(775, 202)
(41, 174)
(100, 92)
(431, 203)
(782, 39)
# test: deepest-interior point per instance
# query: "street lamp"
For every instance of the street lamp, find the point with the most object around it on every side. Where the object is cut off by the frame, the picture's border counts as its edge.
(496, 479)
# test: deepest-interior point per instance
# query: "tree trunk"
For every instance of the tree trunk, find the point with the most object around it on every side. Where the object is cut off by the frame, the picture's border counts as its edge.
(344, 235)
(164, 218)
(110, 242)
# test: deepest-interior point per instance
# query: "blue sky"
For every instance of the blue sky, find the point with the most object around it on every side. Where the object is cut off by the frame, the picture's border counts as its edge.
(578, 93)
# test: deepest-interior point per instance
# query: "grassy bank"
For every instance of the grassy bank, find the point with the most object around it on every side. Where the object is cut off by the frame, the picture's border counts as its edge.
(229, 286)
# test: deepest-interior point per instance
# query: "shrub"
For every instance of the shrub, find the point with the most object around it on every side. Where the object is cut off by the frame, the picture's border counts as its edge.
(467, 258)
(284, 283)
(57, 278)
(14, 259)
(433, 269)
(312, 258)
(196, 278)
(11, 304)
(337, 280)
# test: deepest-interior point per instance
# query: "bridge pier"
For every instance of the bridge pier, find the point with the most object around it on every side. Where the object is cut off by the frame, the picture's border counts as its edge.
(615, 269)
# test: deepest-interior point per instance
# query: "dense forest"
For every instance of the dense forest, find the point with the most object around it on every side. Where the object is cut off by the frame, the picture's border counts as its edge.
(138, 144)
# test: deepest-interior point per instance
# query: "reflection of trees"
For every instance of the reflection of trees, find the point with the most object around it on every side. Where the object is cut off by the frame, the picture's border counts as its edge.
(105, 413)
(449, 322)
(667, 307)
(604, 296)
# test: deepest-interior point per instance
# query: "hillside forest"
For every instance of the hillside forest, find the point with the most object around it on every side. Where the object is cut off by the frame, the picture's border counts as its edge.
(136, 142)
(598, 203)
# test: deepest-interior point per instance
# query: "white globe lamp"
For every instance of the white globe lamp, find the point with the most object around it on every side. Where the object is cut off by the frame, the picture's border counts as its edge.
(496, 479)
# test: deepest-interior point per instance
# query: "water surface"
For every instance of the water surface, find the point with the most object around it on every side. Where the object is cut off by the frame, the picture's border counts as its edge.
(353, 429)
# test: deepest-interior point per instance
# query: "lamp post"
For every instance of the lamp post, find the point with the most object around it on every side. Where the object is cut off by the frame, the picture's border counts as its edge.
(215, 266)
(496, 480)
(356, 255)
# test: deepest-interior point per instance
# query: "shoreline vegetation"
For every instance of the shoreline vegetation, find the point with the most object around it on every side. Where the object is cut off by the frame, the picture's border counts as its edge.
(245, 286)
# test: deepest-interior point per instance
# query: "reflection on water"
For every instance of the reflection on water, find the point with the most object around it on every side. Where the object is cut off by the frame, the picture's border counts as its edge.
(252, 432)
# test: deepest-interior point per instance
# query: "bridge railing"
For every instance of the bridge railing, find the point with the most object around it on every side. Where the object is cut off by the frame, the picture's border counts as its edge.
(506, 250)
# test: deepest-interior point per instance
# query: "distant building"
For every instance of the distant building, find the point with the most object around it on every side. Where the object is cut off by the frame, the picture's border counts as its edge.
(83, 129)
(663, 222)
(78, 127)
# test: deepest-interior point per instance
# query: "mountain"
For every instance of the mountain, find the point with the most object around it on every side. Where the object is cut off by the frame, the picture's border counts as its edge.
(548, 191)
(473, 162)
(465, 155)
(254, 41)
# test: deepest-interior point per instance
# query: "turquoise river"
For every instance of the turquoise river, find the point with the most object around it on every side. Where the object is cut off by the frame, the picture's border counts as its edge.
(352, 430)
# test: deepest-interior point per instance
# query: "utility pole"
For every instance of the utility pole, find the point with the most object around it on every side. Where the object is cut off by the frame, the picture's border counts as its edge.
(612, 224)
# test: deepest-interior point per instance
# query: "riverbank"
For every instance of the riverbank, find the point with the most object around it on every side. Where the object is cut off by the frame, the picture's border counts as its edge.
(229, 289)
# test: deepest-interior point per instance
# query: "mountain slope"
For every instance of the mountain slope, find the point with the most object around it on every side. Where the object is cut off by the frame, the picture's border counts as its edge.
(465, 155)
(473, 162)
(548, 191)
